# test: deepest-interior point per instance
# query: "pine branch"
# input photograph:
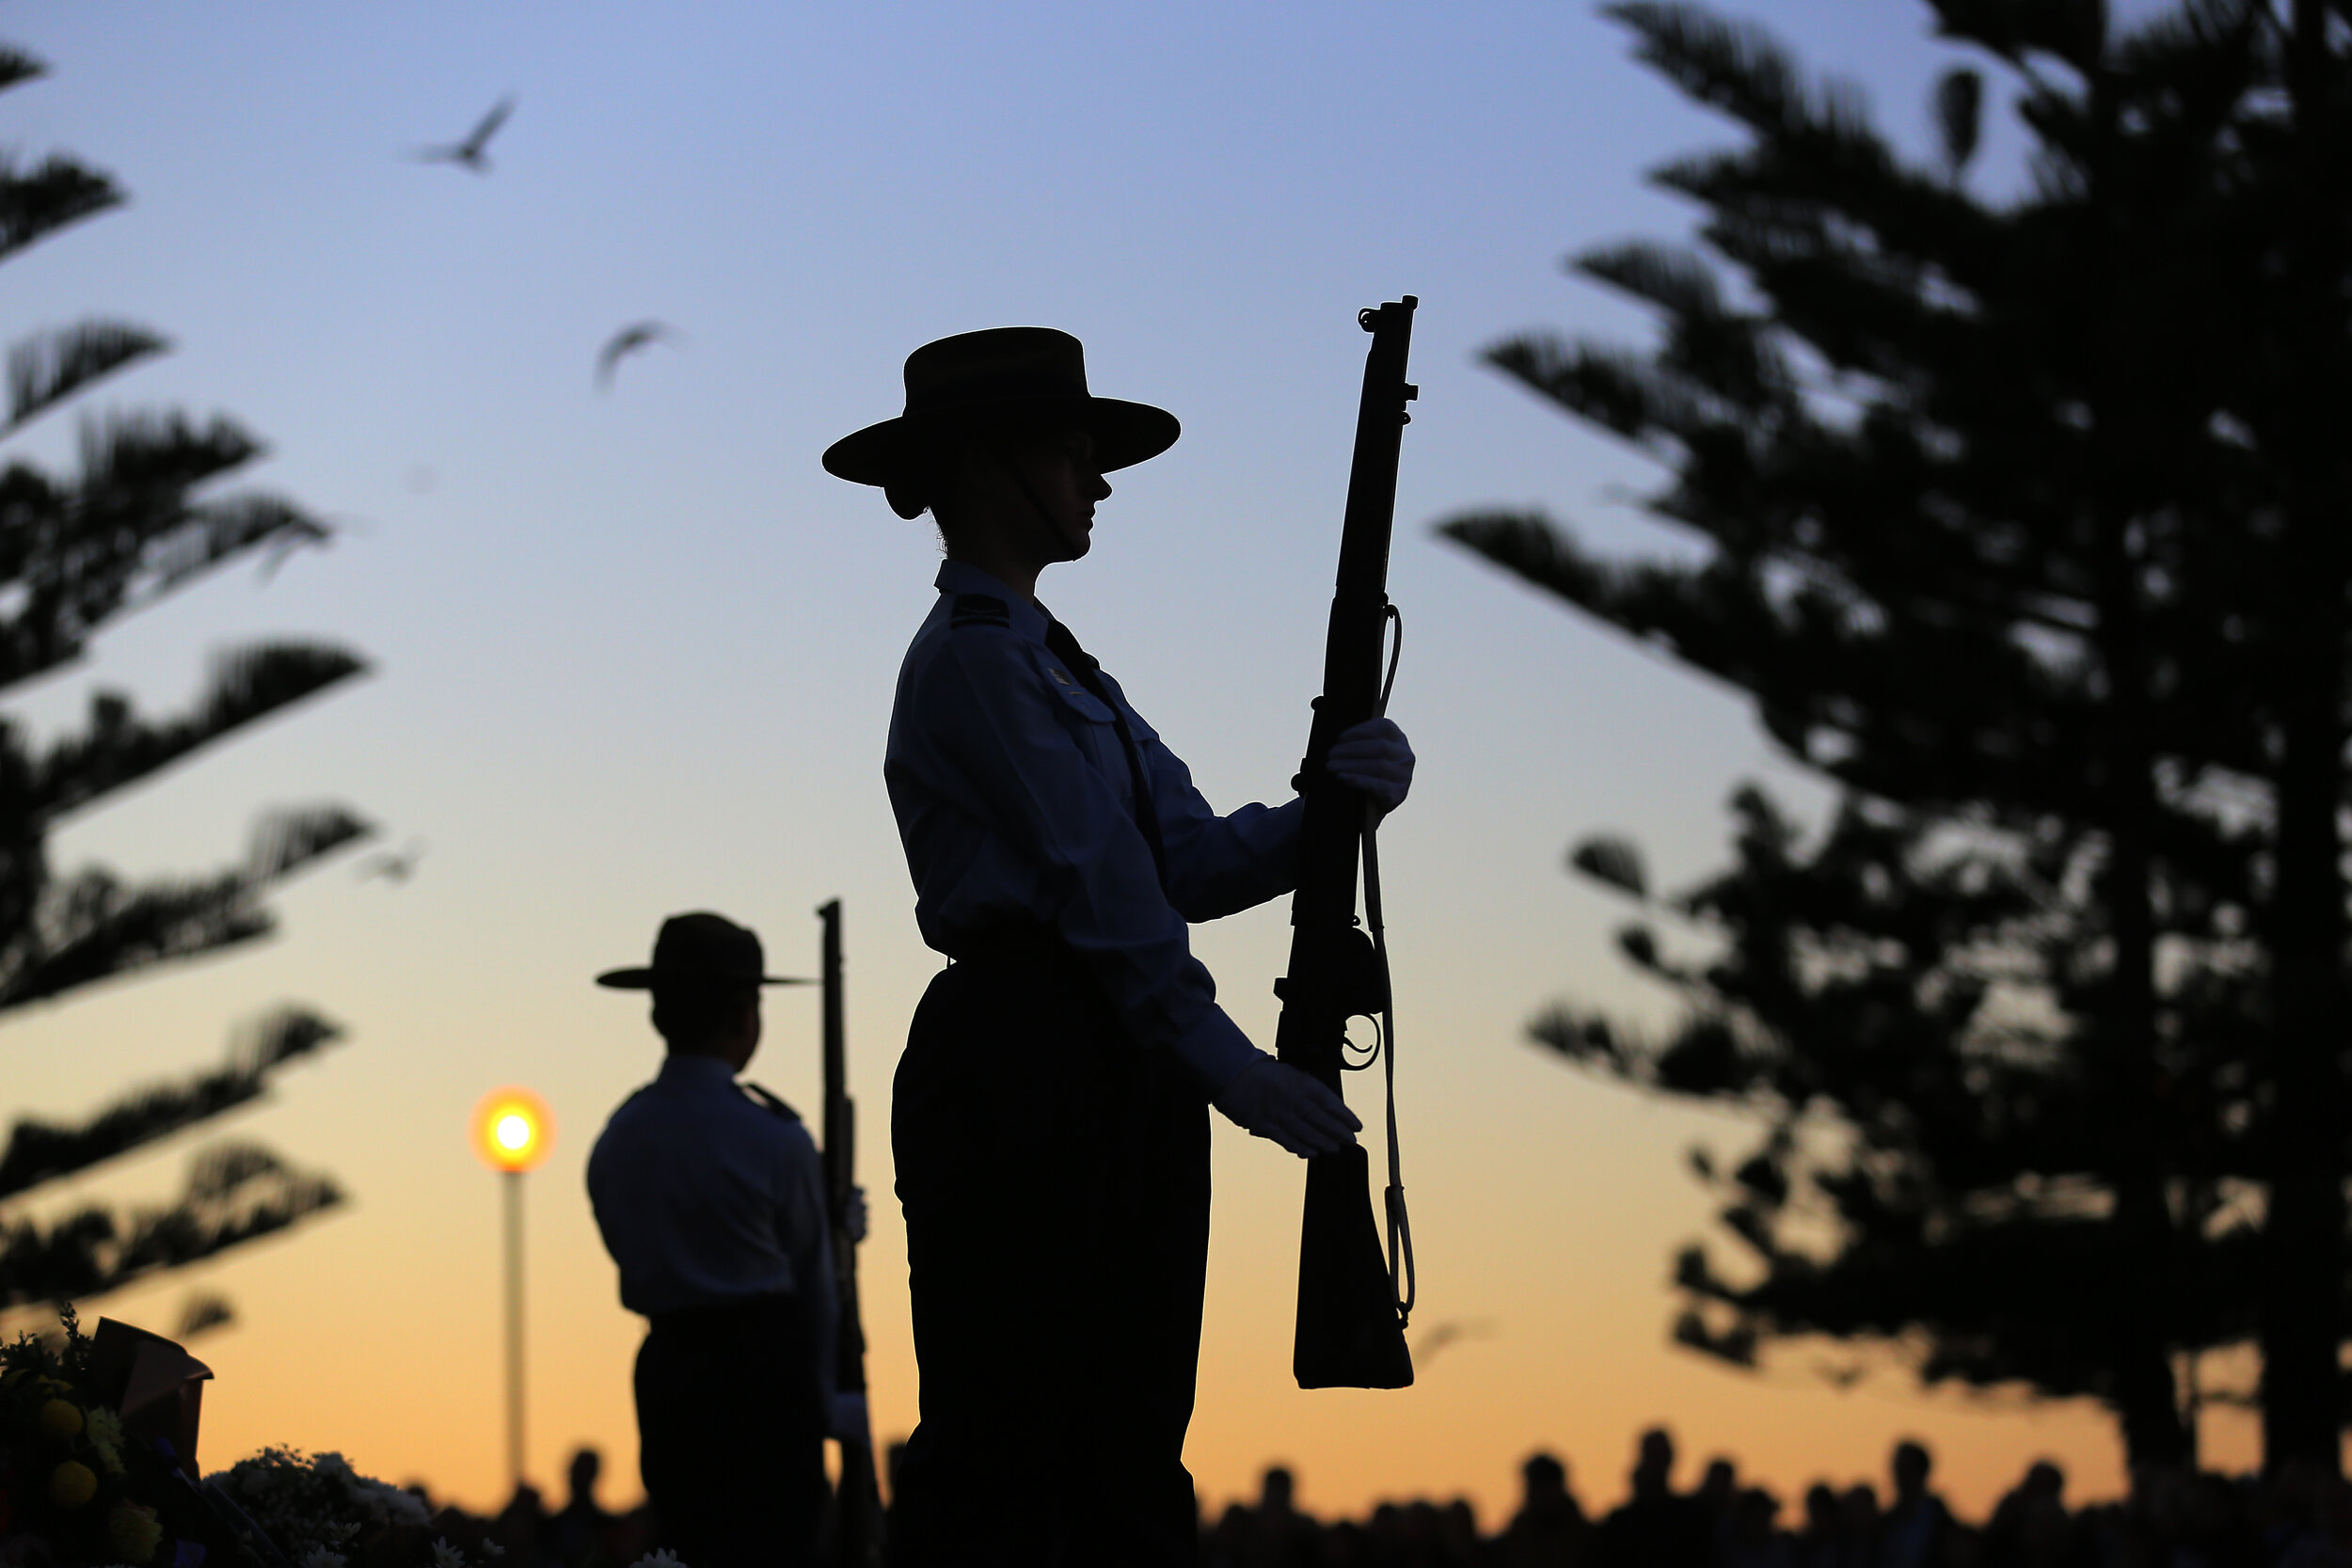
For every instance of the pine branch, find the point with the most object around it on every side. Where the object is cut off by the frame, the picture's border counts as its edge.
(129, 460)
(92, 928)
(1958, 117)
(1728, 354)
(1530, 546)
(118, 750)
(235, 1193)
(2074, 31)
(53, 195)
(1736, 66)
(41, 1152)
(221, 531)
(1614, 861)
(126, 534)
(45, 370)
(16, 67)
(1640, 400)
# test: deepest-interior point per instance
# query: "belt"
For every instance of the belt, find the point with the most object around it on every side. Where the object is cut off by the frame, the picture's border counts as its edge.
(1015, 941)
(726, 1317)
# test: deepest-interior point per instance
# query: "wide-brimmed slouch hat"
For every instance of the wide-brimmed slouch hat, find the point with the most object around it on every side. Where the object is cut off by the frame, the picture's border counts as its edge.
(1017, 376)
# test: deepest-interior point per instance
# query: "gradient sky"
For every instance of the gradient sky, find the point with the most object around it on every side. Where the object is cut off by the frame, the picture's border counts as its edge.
(635, 651)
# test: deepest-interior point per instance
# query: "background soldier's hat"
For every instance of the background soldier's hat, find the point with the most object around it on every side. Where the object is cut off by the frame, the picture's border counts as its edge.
(700, 948)
(1020, 374)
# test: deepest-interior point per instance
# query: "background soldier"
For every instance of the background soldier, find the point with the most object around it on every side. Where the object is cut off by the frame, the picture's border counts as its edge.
(711, 1198)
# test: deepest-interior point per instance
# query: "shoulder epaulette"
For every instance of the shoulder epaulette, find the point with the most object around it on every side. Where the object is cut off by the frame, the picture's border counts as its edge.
(979, 609)
(768, 1102)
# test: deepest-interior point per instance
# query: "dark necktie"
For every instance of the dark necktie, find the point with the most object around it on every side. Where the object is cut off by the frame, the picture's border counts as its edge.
(1063, 646)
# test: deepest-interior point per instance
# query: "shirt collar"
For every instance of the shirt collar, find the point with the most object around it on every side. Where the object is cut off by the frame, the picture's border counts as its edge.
(1024, 614)
(687, 1071)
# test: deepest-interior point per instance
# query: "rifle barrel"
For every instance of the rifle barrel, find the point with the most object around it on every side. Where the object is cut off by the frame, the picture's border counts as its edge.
(857, 1541)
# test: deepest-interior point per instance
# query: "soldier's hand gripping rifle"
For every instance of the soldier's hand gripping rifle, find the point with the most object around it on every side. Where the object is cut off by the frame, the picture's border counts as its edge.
(857, 1504)
(1353, 1302)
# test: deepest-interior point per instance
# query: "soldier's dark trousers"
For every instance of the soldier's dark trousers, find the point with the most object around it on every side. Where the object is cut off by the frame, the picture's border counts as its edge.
(731, 1435)
(1055, 1177)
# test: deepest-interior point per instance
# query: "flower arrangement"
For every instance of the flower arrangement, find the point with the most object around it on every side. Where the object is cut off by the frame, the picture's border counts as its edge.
(317, 1509)
(78, 1490)
(68, 1481)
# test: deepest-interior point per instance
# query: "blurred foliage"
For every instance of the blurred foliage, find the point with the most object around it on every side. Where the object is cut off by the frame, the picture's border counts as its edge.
(2024, 526)
(137, 516)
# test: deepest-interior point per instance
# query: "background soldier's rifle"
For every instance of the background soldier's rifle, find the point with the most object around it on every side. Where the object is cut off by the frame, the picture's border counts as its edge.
(857, 1503)
(1353, 1303)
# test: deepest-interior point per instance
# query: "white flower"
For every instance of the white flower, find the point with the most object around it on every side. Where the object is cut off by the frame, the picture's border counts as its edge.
(660, 1557)
(447, 1556)
(319, 1557)
(388, 1503)
(492, 1550)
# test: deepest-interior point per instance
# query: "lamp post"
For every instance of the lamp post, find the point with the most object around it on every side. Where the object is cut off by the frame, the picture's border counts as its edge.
(512, 1131)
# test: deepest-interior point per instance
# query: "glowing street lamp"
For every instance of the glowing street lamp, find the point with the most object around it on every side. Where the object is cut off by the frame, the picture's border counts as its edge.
(513, 1130)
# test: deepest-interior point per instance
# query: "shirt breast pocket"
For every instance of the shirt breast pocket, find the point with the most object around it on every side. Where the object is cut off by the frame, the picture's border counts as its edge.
(1075, 698)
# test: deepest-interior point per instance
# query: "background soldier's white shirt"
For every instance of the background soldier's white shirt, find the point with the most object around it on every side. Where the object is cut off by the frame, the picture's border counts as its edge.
(706, 1197)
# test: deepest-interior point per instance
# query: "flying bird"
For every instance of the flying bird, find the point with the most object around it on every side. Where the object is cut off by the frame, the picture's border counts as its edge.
(627, 340)
(471, 153)
(1438, 1336)
(394, 865)
(203, 1312)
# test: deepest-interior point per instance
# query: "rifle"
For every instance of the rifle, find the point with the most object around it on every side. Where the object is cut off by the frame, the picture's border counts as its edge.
(857, 1535)
(1353, 1303)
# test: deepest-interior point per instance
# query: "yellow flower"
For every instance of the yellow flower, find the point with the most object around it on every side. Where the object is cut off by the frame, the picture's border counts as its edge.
(106, 1435)
(72, 1484)
(134, 1532)
(61, 1419)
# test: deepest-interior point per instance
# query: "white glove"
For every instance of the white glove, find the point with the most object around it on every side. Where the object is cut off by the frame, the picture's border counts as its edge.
(1374, 757)
(1276, 1100)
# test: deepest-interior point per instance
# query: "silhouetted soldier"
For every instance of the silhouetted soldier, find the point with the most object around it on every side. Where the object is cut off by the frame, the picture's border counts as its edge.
(1718, 1492)
(1655, 1527)
(1276, 1535)
(1917, 1528)
(520, 1530)
(2029, 1526)
(1754, 1538)
(1859, 1508)
(1823, 1543)
(711, 1199)
(1050, 1120)
(577, 1527)
(1550, 1530)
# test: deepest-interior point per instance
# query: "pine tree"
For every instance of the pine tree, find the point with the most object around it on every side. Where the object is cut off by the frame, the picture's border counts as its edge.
(139, 517)
(1998, 499)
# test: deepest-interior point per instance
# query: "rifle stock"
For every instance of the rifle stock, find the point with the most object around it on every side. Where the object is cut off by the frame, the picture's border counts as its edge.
(1351, 1330)
(857, 1524)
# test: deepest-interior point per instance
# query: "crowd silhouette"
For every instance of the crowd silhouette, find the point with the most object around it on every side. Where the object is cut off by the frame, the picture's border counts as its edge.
(2297, 1518)
(2174, 1518)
